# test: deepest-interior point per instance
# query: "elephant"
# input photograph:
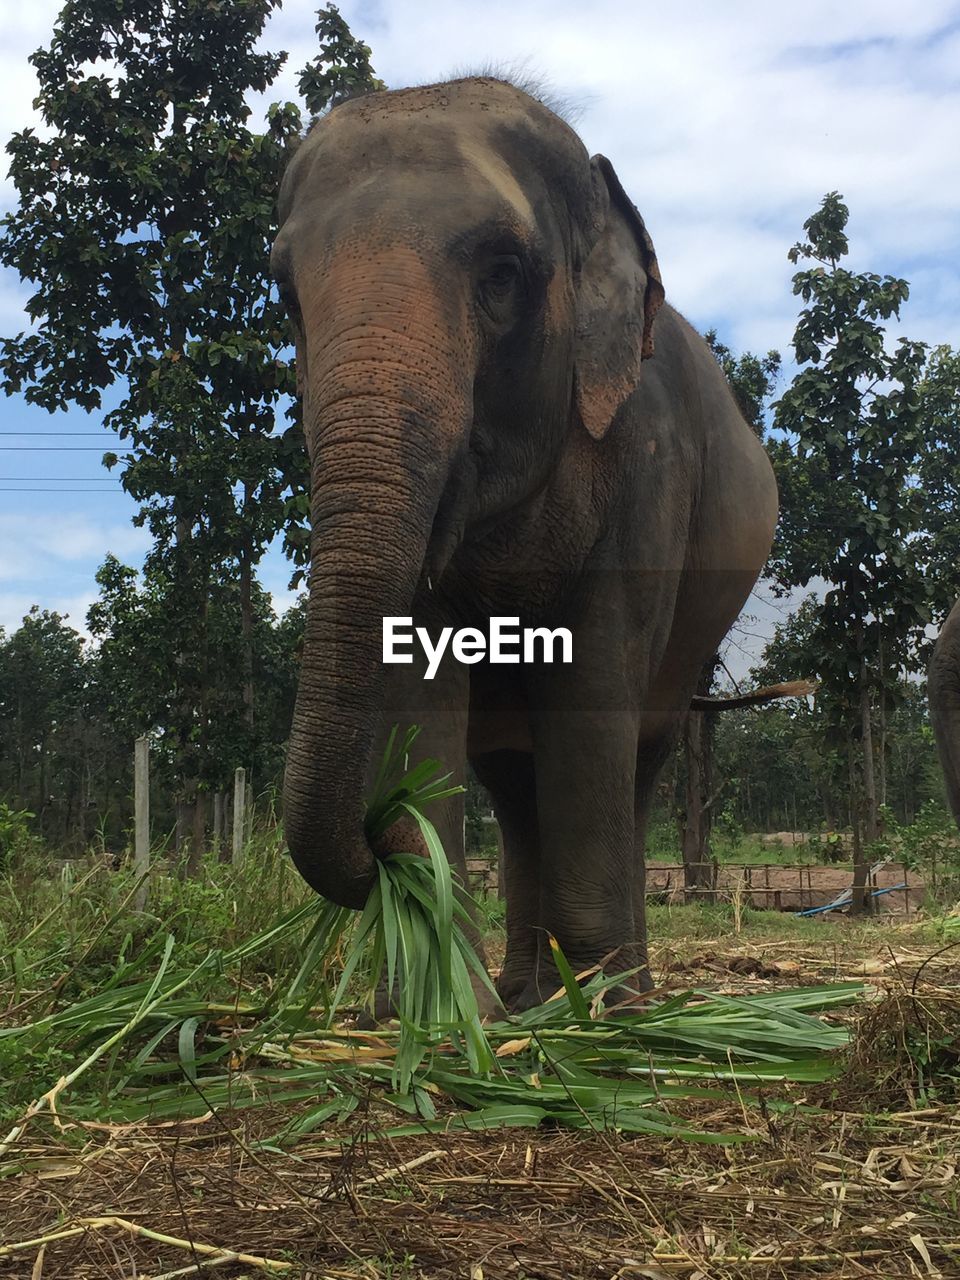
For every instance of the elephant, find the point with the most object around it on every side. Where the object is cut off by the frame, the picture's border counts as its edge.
(943, 694)
(504, 419)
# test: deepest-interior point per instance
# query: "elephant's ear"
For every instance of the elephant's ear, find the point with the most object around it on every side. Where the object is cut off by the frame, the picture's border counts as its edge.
(619, 294)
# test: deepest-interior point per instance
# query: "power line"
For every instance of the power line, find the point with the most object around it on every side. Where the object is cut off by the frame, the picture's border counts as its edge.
(49, 448)
(58, 479)
(97, 434)
(10, 489)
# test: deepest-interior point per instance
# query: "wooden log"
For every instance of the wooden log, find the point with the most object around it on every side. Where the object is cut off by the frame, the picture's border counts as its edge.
(790, 689)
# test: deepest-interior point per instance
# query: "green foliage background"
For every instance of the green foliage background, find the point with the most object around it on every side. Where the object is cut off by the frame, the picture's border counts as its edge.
(145, 213)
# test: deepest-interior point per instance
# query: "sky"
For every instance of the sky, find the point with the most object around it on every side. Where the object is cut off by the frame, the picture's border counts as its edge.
(727, 123)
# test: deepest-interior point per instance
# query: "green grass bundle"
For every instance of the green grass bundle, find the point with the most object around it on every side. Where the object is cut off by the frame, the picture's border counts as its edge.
(169, 1035)
(414, 925)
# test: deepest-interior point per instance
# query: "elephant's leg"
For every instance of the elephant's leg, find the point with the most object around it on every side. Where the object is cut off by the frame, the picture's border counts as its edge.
(509, 777)
(651, 758)
(585, 750)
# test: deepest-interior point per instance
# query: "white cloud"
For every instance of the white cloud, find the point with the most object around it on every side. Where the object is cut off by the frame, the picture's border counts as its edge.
(726, 123)
(23, 29)
(15, 605)
(284, 600)
(274, 572)
(39, 546)
(50, 560)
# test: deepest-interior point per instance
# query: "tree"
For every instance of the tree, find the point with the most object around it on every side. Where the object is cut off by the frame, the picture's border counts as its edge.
(343, 68)
(786, 770)
(812, 752)
(139, 679)
(752, 380)
(940, 476)
(43, 728)
(915, 780)
(69, 710)
(145, 217)
(848, 469)
(766, 754)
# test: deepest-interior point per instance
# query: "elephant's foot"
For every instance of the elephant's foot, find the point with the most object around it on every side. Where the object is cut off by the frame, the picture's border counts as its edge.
(542, 984)
(385, 1006)
(491, 1006)
(509, 987)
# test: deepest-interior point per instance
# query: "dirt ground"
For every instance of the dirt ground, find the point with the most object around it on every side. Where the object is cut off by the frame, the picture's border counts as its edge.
(769, 887)
(865, 1186)
(796, 888)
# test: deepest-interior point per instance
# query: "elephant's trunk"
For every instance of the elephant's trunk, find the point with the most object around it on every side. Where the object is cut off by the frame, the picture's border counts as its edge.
(386, 407)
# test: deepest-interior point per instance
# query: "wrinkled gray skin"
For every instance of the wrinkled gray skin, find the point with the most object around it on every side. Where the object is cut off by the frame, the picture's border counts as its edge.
(943, 694)
(502, 419)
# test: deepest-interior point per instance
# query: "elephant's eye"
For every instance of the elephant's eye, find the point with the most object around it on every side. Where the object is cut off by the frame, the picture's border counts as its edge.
(500, 287)
(502, 274)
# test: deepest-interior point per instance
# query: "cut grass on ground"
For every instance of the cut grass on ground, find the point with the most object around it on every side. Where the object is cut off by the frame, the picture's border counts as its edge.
(868, 1187)
(208, 1114)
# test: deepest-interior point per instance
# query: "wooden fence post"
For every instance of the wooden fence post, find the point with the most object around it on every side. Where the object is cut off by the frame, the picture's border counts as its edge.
(141, 823)
(217, 822)
(248, 801)
(239, 826)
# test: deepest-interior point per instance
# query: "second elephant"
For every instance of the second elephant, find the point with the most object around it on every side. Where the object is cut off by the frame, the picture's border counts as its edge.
(943, 693)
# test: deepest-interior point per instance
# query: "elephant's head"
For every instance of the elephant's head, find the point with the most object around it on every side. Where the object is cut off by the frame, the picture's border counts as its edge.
(467, 287)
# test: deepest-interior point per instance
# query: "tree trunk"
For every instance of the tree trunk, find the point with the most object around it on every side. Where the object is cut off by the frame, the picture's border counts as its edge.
(882, 753)
(871, 829)
(692, 843)
(698, 868)
(184, 823)
(42, 788)
(882, 761)
(84, 790)
(246, 630)
(189, 680)
(198, 841)
(829, 807)
(859, 806)
(198, 834)
(20, 753)
(219, 832)
(748, 803)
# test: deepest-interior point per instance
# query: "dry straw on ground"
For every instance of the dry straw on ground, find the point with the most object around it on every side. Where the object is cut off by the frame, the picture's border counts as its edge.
(845, 1191)
(254, 1137)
